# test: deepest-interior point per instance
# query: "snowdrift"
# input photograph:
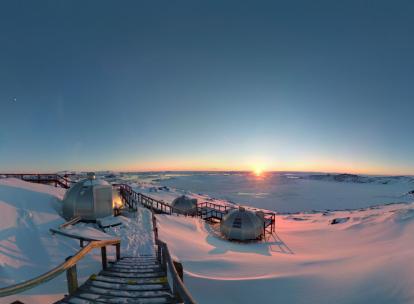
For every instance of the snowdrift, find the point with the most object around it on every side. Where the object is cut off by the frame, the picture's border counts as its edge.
(366, 259)
(27, 249)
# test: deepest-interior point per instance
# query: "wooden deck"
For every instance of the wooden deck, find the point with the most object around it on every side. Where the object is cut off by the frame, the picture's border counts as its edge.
(42, 178)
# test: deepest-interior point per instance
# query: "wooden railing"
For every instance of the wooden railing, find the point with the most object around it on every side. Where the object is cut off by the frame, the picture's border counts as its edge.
(163, 254)
(72, 221)
(178, 288)
(132, 198)
(69, 266)
(206, 210)
(156, 205)
(42, 178)
(217, 207)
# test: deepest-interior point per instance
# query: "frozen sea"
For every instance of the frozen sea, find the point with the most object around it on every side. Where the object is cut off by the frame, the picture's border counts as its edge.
(293, 192)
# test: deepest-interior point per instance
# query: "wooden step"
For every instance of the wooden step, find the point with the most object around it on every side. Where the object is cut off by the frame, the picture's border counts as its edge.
(129, 281)
(110, 273)
(86, 298)
(124, 286)
(124, 263)
(145, 265)
(136, 270)
(147, 258)
(125, 293)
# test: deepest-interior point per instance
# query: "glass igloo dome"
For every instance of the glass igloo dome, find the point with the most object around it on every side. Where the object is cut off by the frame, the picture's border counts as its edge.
(89, 199)
(241, 224)
(184, 204)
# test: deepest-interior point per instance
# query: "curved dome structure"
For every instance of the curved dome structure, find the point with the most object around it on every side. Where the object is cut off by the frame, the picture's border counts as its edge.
(89, 199)
(184, 204)
(241, 224)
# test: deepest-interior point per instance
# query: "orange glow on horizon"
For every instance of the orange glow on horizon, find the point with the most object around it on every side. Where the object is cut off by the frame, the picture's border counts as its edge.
(308, 165)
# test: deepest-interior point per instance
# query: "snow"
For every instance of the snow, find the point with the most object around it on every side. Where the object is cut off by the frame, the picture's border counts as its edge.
(366, 259)
(84, 230)
(291, 192)
(27, 248)
(135, 233)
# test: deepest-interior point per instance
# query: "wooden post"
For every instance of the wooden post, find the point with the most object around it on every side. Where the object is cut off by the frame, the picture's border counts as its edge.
(118, 251)
(164, 258)
(176, 294)
(81, 243)
(72, 278)
(156, 233)
(103, 256)
(159, 253)
(179, 267)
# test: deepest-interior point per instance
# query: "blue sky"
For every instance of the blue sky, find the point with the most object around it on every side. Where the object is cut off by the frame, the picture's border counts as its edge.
(153, 85)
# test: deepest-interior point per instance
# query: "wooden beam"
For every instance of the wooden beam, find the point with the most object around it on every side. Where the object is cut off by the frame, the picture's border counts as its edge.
(104, 259)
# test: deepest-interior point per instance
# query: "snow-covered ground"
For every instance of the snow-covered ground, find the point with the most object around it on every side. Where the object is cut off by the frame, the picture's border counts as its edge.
(135, 233)
(28, 249)
(365, 258)
(295, 192)
(276, 191)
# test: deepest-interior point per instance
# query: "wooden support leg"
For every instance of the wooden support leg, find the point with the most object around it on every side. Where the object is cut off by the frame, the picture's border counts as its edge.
(118, 251)
(81, 243)
(72, 278)
(103, 256)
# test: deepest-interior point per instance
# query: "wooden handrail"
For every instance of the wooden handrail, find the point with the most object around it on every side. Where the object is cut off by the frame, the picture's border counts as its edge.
(179, 288)
(70, 222)
(65, 266)
(73, 236)
(164, 256)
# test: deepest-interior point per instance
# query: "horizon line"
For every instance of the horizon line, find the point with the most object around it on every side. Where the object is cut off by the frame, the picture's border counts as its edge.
(201, 171)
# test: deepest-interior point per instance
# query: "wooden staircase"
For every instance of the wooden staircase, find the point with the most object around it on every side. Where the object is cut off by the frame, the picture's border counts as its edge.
(129, 280)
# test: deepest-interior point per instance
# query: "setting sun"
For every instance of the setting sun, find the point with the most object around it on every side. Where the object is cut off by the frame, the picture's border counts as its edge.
(258, 170)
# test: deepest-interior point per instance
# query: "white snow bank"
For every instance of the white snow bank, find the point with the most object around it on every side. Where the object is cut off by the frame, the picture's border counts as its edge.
(135, 233)
(366, 259)
(27, 249)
